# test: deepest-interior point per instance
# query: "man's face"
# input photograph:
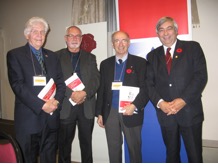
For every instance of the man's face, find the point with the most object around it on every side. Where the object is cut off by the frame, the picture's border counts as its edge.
(167, 34)
(121, 43)
(37, 35)
(73, 39)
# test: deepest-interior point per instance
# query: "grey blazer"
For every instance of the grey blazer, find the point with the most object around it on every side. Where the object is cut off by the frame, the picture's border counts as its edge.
(90, 78)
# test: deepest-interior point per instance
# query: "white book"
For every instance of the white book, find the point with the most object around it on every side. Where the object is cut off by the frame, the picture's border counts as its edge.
(75, 84)
(127, 96)
(48, 92)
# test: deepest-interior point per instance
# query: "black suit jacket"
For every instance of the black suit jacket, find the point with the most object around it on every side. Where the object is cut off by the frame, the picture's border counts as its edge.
(29, 116)
(90, 78)
(187, 80)
(137, 78)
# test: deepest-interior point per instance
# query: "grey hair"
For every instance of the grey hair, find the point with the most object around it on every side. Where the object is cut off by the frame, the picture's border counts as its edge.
(112, 36)
(165, 19)
(68, 28)
(34, 20)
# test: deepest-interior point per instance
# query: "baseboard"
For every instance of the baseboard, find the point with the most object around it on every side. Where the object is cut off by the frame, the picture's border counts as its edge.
(210, 143)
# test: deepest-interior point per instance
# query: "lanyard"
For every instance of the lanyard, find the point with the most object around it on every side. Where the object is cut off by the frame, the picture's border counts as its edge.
(34, 69)
(121, 74)
(71, 59)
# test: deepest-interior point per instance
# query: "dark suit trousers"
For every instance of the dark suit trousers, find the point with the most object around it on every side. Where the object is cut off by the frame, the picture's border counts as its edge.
(67, 133)
(43, 144)
(192, 137)
(114, 128)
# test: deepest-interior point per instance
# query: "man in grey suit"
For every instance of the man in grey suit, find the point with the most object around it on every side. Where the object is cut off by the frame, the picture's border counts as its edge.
(176, 91)
(76, 61)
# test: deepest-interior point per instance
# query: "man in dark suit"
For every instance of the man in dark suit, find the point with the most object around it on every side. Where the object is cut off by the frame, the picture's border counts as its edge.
(36, 120)
(75, 61)
(176, 91)
(130, 72)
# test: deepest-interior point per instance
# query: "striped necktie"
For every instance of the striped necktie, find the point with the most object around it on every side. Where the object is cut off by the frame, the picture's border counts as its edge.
(40, 59)
(168, 60)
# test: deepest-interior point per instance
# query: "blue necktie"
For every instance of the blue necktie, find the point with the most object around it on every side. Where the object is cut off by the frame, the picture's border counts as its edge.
(39, 57)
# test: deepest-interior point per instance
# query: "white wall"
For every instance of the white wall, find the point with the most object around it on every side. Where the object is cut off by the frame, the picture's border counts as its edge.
(207, 35)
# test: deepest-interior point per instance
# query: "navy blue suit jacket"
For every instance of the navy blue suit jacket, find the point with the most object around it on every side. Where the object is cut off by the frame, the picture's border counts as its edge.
(137, 78)
(29, 116)
(187, 80)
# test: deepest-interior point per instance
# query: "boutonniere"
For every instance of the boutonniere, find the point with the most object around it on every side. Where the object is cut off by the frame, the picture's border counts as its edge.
(129, 71)
(178, 50)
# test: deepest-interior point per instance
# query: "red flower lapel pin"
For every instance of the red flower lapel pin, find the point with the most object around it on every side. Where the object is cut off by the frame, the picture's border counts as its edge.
(178, 50)
(129, 70)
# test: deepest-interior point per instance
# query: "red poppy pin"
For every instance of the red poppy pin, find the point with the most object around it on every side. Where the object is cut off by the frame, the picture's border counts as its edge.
(129, 71)
(178, 50)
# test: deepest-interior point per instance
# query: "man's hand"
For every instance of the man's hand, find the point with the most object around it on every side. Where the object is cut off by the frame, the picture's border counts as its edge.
(50, 105)
(165, 107)
(100, 121)
(129, 109)
(176, 105)
(172, 107)
(78, 97)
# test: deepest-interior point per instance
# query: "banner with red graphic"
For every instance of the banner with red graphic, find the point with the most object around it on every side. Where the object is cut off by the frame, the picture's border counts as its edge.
(138, 18)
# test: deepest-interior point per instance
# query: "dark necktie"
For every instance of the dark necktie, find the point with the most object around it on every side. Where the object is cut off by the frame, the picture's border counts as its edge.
(39, 57)
(168, 60)
(120, 61)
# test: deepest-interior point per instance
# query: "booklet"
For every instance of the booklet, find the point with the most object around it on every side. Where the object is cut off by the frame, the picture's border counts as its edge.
(48, 92)
(127, 96)
(75, 84)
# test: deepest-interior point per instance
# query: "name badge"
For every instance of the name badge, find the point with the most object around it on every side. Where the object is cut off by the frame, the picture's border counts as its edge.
(39, 80)
(116, 85)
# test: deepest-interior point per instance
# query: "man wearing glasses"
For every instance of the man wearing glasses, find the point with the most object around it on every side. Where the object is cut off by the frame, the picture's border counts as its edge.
(78, 108)
(30, 68)
(122, 70)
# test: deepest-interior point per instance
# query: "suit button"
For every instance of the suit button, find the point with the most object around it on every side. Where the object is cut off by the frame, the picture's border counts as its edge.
(170, 85)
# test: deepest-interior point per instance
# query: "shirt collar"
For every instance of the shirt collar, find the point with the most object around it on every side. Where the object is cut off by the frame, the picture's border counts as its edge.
(172, 48)
(34, 50)
(124, 58)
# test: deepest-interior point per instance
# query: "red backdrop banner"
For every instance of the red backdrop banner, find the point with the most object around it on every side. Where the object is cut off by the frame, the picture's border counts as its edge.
(139, 17)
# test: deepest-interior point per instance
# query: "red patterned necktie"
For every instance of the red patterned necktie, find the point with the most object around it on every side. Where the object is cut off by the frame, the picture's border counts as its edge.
(168, 60)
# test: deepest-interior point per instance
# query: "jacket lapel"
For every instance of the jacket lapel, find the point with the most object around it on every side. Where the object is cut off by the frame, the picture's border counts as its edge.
(83, 63)
(111, 68)
(30, 56)
(178, 53)
(161, 57)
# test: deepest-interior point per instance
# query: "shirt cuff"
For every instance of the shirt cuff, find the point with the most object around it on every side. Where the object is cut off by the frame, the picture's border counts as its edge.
(159, 102)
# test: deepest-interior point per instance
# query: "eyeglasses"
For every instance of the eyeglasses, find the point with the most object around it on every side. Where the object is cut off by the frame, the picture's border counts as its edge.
(36, 32)
(123, 41)
(74, 36)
